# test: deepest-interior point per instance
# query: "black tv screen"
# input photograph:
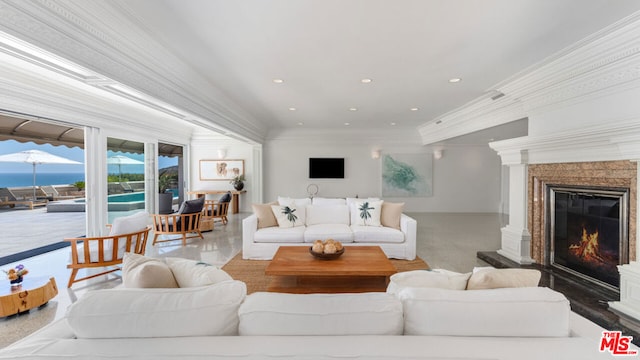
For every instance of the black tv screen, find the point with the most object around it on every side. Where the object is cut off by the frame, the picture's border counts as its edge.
(326, 168)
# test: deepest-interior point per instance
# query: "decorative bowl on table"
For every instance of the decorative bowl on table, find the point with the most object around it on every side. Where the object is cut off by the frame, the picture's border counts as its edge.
(325, 256)
(326, 250)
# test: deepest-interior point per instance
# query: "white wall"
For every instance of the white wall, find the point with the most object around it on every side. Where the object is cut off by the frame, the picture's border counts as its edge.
(205, 146)
(466, 178)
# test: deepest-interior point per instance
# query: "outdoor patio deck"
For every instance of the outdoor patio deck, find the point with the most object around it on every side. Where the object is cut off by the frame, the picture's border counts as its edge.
(24, 229)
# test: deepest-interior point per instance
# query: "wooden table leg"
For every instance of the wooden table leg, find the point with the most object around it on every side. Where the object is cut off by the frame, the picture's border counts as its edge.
(235, 201)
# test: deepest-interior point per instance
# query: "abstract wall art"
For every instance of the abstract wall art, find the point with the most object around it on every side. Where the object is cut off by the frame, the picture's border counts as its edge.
(407, 175)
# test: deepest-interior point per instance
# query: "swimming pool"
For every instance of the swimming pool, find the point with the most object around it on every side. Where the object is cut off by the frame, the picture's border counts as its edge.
(117, 202)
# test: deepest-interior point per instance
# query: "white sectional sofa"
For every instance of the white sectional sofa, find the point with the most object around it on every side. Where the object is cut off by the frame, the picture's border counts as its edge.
(336, 218)
(220, 322)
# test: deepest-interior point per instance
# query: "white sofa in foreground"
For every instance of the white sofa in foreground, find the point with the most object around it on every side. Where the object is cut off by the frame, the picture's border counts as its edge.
(325, 218)
(220, 322)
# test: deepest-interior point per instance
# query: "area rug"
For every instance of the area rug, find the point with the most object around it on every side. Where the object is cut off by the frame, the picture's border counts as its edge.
(252, 271)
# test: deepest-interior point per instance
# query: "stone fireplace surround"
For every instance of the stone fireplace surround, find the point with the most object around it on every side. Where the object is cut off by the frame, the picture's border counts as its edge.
(593, 302)
(605, 155)
(619, 174)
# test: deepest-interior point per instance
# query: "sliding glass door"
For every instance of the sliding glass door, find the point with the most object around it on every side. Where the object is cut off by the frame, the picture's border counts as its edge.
(125, 177)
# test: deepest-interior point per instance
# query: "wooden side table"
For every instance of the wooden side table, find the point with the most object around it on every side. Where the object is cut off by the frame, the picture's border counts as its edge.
(235, 196)
(35, 291)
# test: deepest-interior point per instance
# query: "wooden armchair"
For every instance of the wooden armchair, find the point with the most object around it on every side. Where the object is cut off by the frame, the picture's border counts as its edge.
(186, 225)
(104, 251)
(185, 221)
(214, 209)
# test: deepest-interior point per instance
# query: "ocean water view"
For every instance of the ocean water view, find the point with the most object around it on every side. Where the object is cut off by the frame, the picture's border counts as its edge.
(26, 179)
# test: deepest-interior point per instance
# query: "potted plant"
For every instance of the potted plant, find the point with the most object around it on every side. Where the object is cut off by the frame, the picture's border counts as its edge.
(238, 182)
(165, 198)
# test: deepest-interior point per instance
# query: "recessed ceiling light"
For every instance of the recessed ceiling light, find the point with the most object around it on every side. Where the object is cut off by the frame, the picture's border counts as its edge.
(393, 124)
(353, 109)
(455, 80)
(278, 81)
(366, 81)
(300, 123)
(292, 109)
(347, 124)
(414, 109)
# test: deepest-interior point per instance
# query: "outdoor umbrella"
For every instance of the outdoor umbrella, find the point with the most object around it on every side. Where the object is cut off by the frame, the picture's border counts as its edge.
(36, 157)
(122, 160)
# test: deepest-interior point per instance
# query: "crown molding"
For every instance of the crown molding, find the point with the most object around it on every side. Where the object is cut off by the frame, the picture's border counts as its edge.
(605, 63)
(620, 141)
(29, 89)
(398, 136)
(479, 115)
(136, 60)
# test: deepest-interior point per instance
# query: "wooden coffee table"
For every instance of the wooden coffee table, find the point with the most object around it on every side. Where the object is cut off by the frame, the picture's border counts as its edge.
(359, 269)
(34, 292)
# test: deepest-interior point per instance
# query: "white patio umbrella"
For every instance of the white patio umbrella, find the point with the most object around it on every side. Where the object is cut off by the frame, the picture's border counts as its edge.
(122, 160)
(36, 157)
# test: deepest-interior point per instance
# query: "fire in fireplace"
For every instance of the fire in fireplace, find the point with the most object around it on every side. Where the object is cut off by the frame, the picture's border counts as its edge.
(588, 233)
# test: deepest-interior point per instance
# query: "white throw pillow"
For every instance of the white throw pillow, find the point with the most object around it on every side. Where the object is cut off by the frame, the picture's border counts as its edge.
(149, 313)
(140, 271)
(301, 202)
(328, 201)
(437, 278)
(273, 314)
(490, 278)
(519, 312)
(366, 213)
(327, 214)
(129, 224)
(289, 215)
(192, 273)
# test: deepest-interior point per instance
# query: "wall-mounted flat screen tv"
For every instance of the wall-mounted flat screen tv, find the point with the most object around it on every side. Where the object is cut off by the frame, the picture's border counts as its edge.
(326, 168)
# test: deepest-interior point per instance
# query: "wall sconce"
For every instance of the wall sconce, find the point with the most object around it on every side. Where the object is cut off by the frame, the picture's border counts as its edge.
(375, 154)
(437, 154)
(222, 153)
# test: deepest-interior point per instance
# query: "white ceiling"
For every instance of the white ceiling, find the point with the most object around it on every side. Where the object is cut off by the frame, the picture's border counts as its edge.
(323, 48)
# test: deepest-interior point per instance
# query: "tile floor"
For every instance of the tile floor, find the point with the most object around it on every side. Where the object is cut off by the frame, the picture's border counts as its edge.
(445, 240)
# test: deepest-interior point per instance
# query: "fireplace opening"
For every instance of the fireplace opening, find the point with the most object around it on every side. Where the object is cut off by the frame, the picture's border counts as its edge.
(588, 232)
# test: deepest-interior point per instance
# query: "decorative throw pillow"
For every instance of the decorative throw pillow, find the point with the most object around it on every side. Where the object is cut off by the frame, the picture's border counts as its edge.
(129, 224)
(366, 213)
(192, 273)
(437, 278)
(391, 214)
(140, 271)
(328, 201)
(265, 215)
(351, 200)
(302, 202)
(503, 278)
(191, 206)
(226, 197)
(288, 216)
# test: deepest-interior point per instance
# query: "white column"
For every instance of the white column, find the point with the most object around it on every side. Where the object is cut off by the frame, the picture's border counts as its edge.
(95, 153)
(629, 303)
(150, 177)
(516, 239)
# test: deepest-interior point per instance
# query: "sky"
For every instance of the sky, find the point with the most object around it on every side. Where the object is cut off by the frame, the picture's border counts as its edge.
(74, 153)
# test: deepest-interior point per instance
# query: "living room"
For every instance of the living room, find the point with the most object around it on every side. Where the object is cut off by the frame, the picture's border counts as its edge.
(575, 104)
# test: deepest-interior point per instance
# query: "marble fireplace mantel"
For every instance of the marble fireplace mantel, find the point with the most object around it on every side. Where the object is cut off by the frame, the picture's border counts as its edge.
(602, 156)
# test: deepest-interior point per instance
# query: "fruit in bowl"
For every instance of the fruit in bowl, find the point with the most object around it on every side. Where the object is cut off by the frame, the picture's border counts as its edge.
(326, 250)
